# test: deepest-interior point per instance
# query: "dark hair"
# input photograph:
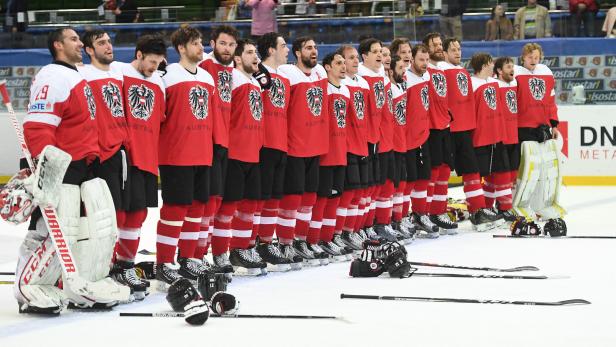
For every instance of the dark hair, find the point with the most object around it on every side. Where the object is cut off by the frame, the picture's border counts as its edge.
(56, 35)
(299, 43)
(394, 60)
(330, 58)
(90, 36)
(429, 37)
(343, 49)
(420, 47)
(364, 37)
(151, 44)
(479, 60)
(241, 45)
(493, 12)
(265, 42)
(365, 45)
(224, 29)
(500, 62)
(396, 43)
(448, 41)
(184, 35)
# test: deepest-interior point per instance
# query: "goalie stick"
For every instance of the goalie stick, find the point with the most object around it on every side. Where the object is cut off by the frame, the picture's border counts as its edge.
(468, 301)
(553, 237)
(267, 316)
(513, 269)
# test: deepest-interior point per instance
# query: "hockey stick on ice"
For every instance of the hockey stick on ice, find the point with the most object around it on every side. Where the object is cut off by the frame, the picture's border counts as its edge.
(511, 277)
(513, 269)
(467, 301)
(550, 237)
(7, 274)
(267, 316)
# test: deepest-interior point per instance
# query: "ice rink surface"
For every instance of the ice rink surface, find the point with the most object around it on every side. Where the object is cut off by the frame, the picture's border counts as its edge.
(589, 265)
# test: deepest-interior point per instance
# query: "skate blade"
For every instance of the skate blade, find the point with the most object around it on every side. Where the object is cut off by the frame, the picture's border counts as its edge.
(339, 258)
(484, 227)
(296, 266)
(278, 267)
(312, 262)
(428, 235)
(242, 271)
(324, 261)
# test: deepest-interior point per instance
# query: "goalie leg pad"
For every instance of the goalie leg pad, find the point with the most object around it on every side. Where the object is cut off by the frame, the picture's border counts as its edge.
(546, 198)
(528, 176)
(46, 182)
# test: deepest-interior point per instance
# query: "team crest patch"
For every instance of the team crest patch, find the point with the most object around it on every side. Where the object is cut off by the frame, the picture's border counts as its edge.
(141, 101)
(537, 88)
(277, 92)
(314, 97)
(340, 112)
(198, 98)
(440, 84)
(256, 104)
(113, 99)
(400, 111)
(359, 104)
(390, 101)
(511, 100)
(489, 95)
(224, 85)
(425, 101)
(379, 94)
(87, 91)
(462, 81)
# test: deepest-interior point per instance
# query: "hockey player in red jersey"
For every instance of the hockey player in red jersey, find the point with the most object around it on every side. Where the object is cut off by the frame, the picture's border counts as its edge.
(489, 133)
(273, 156)
(185, 158)
(106, 84)
(219, 65)
(243, 181)
(144, 106)
(462, 107)
(508, 103)
(308, 130)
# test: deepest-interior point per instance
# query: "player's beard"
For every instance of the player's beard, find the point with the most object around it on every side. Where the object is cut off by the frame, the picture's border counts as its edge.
(103, 59)
(221, 59)
(249, 68)
(437, 56)
(308, 62)
(397, 78)
(196, 57)
(507, 77)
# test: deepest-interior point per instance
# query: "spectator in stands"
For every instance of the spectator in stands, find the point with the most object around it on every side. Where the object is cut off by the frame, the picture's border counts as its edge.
(450, 19)
(608, 25)
(499, 27)
(263, 17)
(13, 8)
(126, 11)
(532, 21)
(583, 11)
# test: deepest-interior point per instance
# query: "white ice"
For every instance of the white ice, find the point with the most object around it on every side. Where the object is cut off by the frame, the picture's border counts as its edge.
(316, 291)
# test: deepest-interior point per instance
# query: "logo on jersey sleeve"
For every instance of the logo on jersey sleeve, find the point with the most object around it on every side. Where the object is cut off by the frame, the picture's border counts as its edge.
(358, 103)
(390, 101)
(400, 111)
(462, 81)
(113, 99)
(141, 101)
(489, 95)
(340, 112)
(425, 101)
(224, 85)
(512, 101)
(87, 91)
(537, 88)
(440, 84)
(256, 104)
(379, 94)
(314, 97)
(277, 92)
(197, 98)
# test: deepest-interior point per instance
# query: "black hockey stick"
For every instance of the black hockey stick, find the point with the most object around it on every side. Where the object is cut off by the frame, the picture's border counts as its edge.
(146, 252)
(467, 301)
(7, 274)
(513, 269)
(269, 316)
(555, 237)
(511, 277)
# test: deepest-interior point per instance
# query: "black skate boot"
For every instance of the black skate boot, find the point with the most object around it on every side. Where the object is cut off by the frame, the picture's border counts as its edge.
(385, 232)
(222, 263)
(371, 234)
(192, 268)
(353, 241)
(337, 240)
(289, 253)
(255, 255)
(407, 224)
(405, 237)
(166, 274)
(124, 273)
(508, 215)
(336, 253)
(319, 253)
(244, 263)
(423, 223)
(271, 254)
(448, 227)
(482, 220)
(301, 248)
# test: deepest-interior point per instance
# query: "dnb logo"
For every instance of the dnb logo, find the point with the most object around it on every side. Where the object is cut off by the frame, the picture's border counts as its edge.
(224, 85)
(358, 103)
(440, 84)
(462, 81)
(87, 91)
(141, 101)
(113, 99)
(277, 92)
(198, 98)
(537, 88)
(340, 112)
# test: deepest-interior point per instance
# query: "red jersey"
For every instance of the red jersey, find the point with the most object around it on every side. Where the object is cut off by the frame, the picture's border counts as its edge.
(221, 102)
(398, 95)
(107, 90)
(536, 96)
(245, 124)
(338, 107)
(376, 101)
(306, 116)
(359, 91)
(490, 123)
(275, 105)
(386, 129)
(62, 112)
(144, 106)
(417, 106)
(439, 103)
(459, 97)
(509, 108)
(186, 133)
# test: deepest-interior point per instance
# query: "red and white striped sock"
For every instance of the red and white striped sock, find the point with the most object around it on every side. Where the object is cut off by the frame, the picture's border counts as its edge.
(128, 235)
(269, 216)
(488, 191)
(384, 203)
(502, 186)
(189, 236)
(222, 227)
(473, 192)
(329, 219)
(204, 234)
(342, 209)
(256, 222)
(241, 225)
(285, 224)
(304, 214)
(168, 231)
(439, 199)
(419, 196)
(398, 200)
(406, 198)
(316, 221)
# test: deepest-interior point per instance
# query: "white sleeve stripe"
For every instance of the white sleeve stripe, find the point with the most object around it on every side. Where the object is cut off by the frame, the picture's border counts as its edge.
(46, 118)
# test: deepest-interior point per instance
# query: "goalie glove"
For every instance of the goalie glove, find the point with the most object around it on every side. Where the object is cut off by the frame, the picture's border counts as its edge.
(16, 203)
(263, 77)
(523, 227)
